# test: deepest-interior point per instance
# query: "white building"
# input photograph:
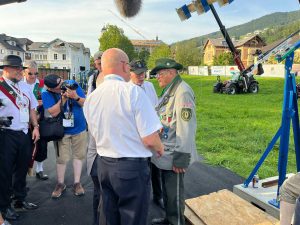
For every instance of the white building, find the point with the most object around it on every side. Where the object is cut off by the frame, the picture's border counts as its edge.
(12, 46)
(59, 54)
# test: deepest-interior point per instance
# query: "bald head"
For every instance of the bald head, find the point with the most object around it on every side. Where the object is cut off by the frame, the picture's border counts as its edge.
(115, 61)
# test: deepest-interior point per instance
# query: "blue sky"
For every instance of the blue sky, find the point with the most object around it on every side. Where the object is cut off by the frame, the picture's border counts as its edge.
(82, 20)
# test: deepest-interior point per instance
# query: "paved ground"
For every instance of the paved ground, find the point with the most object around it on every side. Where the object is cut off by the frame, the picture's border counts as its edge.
(71, 210)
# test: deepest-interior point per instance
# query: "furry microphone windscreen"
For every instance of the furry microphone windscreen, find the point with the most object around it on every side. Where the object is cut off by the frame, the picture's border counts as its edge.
(128, 8)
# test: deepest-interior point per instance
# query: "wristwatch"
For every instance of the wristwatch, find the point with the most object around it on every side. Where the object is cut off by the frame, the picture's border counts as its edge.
(77, 99)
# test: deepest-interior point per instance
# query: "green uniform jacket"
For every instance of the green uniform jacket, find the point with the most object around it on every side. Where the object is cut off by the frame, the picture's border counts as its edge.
(178, 118)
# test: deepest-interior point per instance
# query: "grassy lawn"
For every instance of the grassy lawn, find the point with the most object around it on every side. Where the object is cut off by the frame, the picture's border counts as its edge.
(234, 130)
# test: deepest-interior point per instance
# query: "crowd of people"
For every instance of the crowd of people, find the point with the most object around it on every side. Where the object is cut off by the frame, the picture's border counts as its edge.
(133, 140)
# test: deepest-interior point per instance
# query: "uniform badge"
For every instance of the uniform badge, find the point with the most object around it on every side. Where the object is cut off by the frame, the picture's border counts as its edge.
(186, 114)
(11, 92)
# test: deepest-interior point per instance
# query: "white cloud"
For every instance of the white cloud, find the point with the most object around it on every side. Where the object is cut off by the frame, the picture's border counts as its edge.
(82, 20)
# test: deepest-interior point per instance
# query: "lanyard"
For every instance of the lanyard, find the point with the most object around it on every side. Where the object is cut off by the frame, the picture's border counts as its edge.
(113, 77)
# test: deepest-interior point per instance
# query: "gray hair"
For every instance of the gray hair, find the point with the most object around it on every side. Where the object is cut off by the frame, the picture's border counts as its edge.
(30, 64)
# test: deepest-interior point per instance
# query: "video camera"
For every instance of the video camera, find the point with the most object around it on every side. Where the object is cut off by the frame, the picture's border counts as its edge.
(66, 86)
(5, 121)
(1, 102)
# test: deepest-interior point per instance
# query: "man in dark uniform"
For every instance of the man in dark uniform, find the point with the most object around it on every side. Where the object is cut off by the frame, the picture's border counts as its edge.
(176, 109)
(15, 140)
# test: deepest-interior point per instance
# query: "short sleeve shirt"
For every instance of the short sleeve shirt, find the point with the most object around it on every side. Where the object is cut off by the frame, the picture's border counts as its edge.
(119, 115)
(11, 110)
(49, 100)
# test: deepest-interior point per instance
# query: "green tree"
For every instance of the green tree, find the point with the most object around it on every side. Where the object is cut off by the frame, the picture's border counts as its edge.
(162, 51)
(143, 55)
(188, 54)
(92, 62)
(114, 37)
(223, 59)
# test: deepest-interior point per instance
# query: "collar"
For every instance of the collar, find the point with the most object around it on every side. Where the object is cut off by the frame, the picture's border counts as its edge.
(113, 77)
(36, 81)
(8, 81)
(175, 80)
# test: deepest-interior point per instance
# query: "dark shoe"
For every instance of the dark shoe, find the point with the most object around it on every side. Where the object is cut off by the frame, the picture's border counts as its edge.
(160, 221)
(24, 205)
(41, 176)
(59, 189)
(159, 202)
(10, 214)
(78, 189)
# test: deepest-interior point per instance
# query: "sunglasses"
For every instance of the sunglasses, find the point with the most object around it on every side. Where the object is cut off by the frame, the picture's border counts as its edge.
(35, 74)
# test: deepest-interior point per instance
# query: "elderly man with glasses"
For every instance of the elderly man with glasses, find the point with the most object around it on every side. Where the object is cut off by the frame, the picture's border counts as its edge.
(176, 110)
(40, 149)
(19, 102)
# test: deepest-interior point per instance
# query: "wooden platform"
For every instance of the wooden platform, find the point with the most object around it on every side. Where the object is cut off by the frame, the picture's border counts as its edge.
(225, 208)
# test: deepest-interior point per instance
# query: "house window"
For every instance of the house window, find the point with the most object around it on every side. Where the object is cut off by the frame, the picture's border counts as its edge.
(64, 67)
(44, 57)
(55, 56)
(2, 51)
(11, 52)
(41, 57)
(64, 57)
(36, 57)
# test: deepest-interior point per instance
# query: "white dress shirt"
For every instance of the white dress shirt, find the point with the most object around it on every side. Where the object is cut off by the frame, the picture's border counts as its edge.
(11, 110)
(119, 114)
(150, 92)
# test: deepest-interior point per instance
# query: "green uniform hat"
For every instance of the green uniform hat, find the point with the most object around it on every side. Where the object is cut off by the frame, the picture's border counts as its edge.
(165, 63)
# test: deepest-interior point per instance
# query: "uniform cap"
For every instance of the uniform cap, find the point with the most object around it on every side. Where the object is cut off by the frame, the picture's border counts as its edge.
(98, 55)
(52, 80)
(137, 66)
(165, 63)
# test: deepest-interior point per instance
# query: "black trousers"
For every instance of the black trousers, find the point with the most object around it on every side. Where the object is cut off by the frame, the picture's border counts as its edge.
(173, 195)
(96, 196)
(156, 182)
(15, 154)
(125, 191)
(41, 153)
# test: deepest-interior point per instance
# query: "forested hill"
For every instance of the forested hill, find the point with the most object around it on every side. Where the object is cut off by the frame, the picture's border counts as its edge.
(285, 22)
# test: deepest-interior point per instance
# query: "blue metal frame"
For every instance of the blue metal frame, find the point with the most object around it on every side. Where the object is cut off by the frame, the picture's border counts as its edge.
(289, 113)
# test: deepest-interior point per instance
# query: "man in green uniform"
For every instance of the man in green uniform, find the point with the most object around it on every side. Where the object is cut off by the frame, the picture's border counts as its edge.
(176, 109)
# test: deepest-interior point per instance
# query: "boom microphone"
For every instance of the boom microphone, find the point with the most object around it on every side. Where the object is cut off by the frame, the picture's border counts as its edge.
(128, 8)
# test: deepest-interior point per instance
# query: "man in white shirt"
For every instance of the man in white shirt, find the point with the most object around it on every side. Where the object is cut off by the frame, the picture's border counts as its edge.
(124, 125)
(137, 76)
(15, 140)
(40, 149)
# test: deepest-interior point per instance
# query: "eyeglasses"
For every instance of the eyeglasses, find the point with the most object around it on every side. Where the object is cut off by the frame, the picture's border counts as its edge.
(162, 72)
(35, 74)
(127, 63)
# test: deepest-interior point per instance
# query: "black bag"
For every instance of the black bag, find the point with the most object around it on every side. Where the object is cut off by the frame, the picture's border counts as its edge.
(51, 129)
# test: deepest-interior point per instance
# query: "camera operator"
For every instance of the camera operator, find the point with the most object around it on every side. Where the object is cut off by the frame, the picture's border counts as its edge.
(67, 95)
(40, 148)
(15, 140)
